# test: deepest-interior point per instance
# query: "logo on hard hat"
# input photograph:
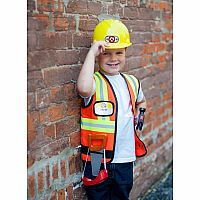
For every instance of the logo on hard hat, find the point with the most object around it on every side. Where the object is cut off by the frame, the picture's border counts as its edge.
(112, 39)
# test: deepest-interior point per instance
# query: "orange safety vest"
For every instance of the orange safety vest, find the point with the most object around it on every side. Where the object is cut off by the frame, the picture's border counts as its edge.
(99, 117)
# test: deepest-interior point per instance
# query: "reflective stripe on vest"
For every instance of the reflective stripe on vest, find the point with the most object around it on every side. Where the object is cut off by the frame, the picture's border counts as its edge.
(92, 123)
(98, 125)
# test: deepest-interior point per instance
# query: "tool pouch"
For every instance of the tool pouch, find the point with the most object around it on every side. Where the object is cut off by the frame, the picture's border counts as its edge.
(97, 152)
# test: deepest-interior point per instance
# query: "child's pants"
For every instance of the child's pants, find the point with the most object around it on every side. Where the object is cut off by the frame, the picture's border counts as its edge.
(116, 187)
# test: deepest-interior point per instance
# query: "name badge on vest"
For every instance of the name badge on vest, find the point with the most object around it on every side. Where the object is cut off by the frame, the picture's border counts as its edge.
(103, 108)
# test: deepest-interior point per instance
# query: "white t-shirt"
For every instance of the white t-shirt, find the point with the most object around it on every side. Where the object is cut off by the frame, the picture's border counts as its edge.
(125, 143)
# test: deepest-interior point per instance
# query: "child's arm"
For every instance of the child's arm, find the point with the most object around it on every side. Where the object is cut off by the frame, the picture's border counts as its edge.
(141, 104)
(140, 113)
(85, 79)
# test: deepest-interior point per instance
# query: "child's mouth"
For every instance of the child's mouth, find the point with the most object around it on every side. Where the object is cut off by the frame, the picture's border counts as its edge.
(113, 64)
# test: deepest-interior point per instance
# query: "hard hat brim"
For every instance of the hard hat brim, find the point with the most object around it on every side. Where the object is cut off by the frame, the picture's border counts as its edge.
(117, 46)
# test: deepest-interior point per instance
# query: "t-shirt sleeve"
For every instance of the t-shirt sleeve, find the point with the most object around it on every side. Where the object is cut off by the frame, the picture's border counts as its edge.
(140, 94)
(87, 99)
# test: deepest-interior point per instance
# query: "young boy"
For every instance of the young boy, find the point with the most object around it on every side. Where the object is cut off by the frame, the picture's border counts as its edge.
(111, 102)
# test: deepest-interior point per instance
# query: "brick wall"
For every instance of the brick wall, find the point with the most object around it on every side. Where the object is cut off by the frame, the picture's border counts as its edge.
(59, 36)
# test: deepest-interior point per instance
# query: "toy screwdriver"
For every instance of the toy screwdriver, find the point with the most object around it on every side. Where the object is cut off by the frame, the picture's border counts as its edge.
(140, 119)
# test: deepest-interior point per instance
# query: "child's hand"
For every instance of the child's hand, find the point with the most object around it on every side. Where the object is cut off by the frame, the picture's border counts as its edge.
(98, 47)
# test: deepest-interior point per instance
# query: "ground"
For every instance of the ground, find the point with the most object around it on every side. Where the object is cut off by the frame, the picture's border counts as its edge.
(161, 190)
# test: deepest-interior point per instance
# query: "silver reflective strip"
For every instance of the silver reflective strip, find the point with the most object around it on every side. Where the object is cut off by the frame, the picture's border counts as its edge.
(101, 87)
(136, 89)
(101, 90)
(97, 125)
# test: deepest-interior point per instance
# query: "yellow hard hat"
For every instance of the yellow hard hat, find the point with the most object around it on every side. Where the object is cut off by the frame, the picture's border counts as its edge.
(114, 32)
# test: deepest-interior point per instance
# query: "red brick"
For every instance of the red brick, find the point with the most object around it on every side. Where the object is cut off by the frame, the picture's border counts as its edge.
(148, 14)
(150, 48)
(41, 59)
(116, 9)
(40, 181)
(167, 96)
(72, 166)
(57, 75)
(160, 47)
(157, 5)
(59, 6)
(30, 161)
(31, 186)
(53, 148)
(135, 3)
(63, 23)
(87, 23)
(70, 192)
(161, 66)
(42, 21)
(165, 6)
(69, 40)
(167, 37)
(168, 25)
(73, 107)
(156, 37)
(45, 5)
(55, 171)
(132, 63)
(31, 5)
(165, 118)
(56, 112)
(53, 195)
(31, 136)
(82, 39)
(135, 50)
(43, 116)
(68, 57)
(152, 4)
(35, 81)
(50, 131)
(75, 139)
(63, 168)
(160, 111)
(130, 13)
(156, 123)
(61, 194)
(78, 162)
(32, 41)
(51, 40)
(66, 127)
(168, 105)
(145, 60)
(57, 94)
(31, 101)
(148, 141)
(147, 129)
(47, 176)
(42, 98)
(77, 6)
(70, 91)
(138, 25)
(94, 7)
(33, 122)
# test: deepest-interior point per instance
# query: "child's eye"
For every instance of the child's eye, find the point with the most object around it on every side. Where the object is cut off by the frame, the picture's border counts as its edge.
(105, 53)
(119, 52)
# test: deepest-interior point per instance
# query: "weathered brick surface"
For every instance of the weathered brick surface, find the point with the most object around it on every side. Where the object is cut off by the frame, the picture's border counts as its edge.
(59, 36)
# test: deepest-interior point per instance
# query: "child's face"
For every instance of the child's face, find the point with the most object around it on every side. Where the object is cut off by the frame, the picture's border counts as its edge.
(111, 61)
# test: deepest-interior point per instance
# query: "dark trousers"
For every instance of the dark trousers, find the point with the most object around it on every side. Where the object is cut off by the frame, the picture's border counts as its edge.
(116, 187)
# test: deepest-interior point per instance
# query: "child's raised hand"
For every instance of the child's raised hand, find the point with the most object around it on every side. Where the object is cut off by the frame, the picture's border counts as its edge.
(98, 47)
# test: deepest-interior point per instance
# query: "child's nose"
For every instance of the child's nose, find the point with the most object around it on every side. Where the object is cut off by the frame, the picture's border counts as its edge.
(113, 57)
